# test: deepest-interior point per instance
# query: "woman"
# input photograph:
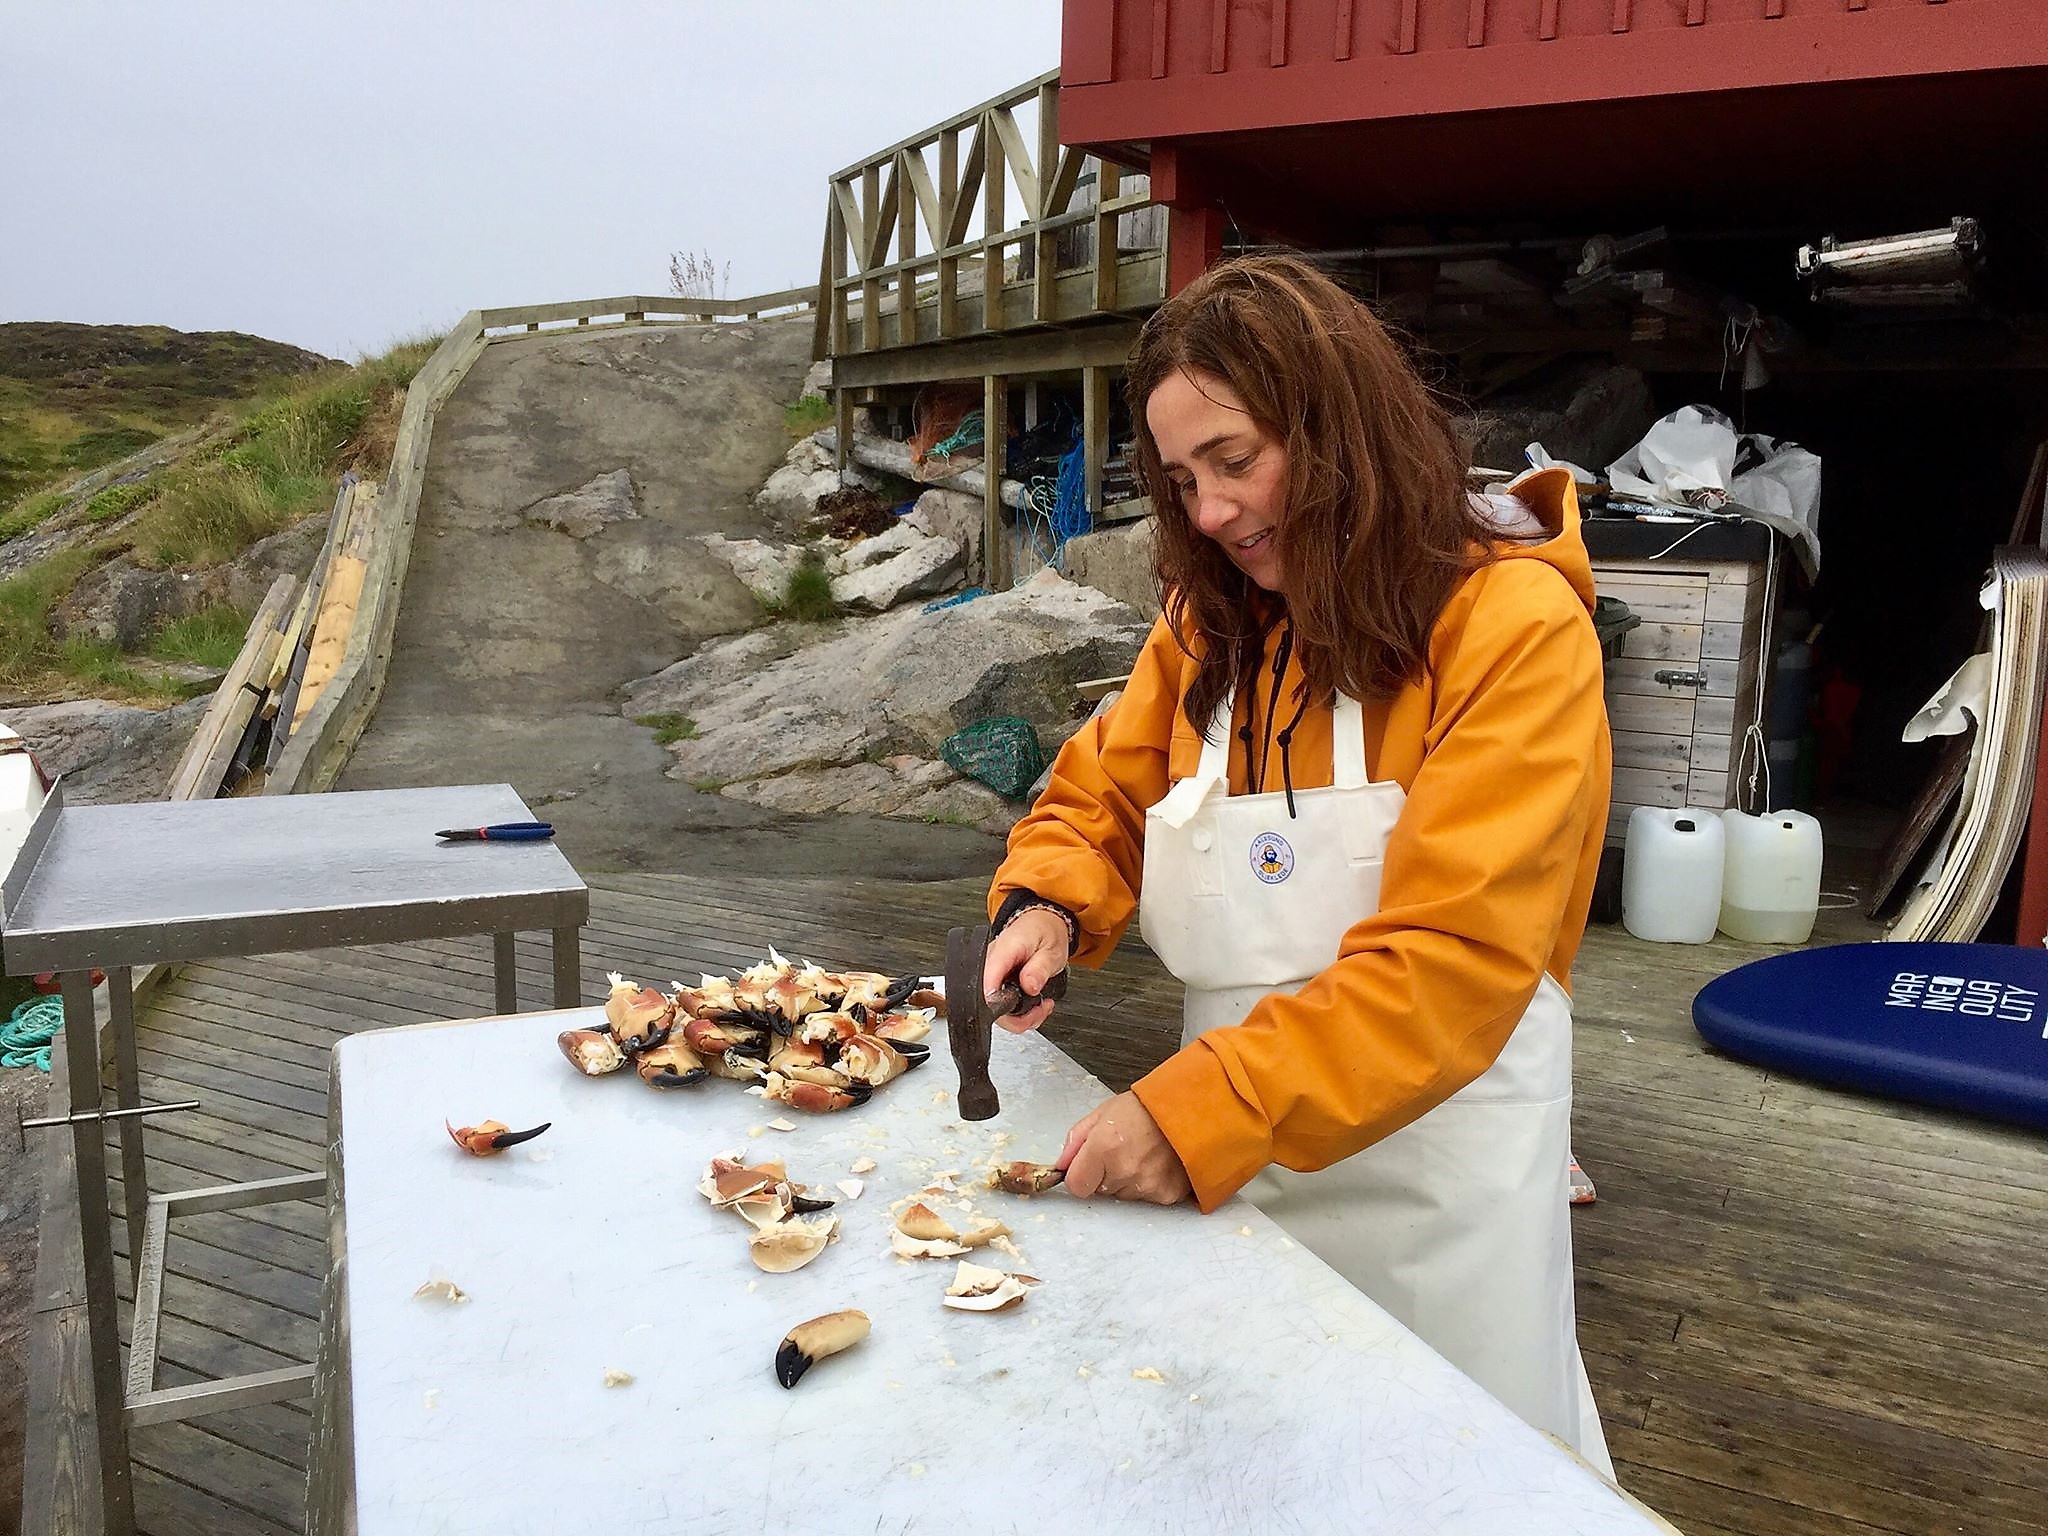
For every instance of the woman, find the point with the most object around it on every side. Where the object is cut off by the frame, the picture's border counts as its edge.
(1360, 775)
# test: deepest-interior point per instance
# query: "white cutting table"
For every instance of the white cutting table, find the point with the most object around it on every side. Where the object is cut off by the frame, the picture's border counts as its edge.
(1289, 1400)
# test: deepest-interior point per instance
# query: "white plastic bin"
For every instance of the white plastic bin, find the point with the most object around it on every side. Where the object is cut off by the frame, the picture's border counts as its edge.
(1770, 889)
(1671, 874)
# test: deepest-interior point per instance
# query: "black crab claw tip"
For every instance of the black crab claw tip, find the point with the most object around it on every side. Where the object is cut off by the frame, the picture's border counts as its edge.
(914, 1053)
(859, 1014)
(803, 1205)
(668, 1079)
(506, 1139)
(790, 1364)
(754, 1048)
(899, 989)
(860, 1093)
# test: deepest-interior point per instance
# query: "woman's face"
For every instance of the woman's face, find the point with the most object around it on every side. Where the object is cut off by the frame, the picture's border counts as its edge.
(1230, 473)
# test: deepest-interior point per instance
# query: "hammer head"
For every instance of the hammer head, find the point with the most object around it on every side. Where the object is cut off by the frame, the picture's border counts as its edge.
(971, 1015)
(968, 1020)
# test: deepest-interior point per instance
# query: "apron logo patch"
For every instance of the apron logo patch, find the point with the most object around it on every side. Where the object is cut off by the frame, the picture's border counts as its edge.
(1272, 858)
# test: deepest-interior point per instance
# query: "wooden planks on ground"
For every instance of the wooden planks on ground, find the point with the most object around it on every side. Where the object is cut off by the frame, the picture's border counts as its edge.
(1803, 1312)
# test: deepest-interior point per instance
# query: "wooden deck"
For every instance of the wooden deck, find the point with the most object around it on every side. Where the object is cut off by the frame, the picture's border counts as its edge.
(1803, 1312)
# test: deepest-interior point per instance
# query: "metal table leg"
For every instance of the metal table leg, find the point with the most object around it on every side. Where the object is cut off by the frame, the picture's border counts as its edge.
(128, 1095)
(96, 1242)
(505, 966)
(568, 969)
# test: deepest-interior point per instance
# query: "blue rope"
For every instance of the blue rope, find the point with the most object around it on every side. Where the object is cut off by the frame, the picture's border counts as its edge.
(958, 597)
(1070, 517)
(25, 1038)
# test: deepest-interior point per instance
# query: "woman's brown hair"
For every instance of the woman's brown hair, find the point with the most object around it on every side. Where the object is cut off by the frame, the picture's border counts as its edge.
(1378, 528)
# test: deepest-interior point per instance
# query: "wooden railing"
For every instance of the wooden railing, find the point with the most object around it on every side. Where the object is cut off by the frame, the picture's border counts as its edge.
(904, 262)
(644, 309)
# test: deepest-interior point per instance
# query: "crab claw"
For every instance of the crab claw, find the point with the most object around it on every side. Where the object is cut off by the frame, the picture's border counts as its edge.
(639, 1016)
(808, 1343)
(714, 1037)
(804, 1061)
(828, 1028)
(872, 1060)
(490, 1138)
(908, 1027)
(593, 1052)
(900, 990)
(815, 1098)
(1025, 1178)
(672, 1064)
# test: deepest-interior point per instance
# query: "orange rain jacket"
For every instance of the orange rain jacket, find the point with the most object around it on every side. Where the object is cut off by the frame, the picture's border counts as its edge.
(1503, 750)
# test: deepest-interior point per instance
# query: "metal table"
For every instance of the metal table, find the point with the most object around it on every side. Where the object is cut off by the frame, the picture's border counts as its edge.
(1174, 1372)
(119, 886)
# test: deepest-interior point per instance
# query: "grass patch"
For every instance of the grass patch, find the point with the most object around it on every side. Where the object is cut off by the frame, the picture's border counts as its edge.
(708, 786)
(26, 645)
(30, 514)
(807, 415)
(807, 598)
(212, 637)
(668, 728)
(102, 668)
(949, 819)
(118, 499)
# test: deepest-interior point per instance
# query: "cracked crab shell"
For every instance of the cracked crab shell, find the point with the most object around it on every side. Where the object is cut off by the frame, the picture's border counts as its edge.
(591, 1051)
(791, 1244)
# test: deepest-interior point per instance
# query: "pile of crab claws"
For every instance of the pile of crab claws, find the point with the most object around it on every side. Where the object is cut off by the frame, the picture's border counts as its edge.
(776, 1208)
(808, 1343)
(817, 1040)
(490, 1138)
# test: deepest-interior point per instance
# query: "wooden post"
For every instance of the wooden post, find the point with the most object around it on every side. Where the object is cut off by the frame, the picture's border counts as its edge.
(1108, 187)
(1044, 293)
(949, 266)
(1094, 433)
(871, 290)
(835, 250)
(993, 220)
(842, 414)
(995, 554)
(906, 248)
(1031, 388)
(1194, 243)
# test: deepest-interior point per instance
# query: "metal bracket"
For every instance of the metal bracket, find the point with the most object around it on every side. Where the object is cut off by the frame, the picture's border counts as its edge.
(1672, 677)
(77, 1117)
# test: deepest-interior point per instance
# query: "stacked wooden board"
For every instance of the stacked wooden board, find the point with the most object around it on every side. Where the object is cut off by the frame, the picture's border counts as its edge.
(294, 643)
(1955, 893)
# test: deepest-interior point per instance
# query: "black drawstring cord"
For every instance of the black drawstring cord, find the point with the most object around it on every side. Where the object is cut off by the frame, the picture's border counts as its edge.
(1287, 761)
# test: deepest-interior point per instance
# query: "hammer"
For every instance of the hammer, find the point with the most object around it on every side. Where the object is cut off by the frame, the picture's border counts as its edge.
(971, 1015)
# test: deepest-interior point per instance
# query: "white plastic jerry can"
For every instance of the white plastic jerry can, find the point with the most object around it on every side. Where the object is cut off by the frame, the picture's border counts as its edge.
(1770, 891)
(1671, 874)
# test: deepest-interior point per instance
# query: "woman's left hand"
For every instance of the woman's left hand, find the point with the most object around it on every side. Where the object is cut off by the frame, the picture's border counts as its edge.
(1118, 1149)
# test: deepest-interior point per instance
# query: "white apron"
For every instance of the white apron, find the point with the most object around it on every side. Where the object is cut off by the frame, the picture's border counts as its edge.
(1457, 1224)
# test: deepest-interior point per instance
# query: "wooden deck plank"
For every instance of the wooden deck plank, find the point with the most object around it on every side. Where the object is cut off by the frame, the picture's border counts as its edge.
(1804, 1311)
(247, 1481)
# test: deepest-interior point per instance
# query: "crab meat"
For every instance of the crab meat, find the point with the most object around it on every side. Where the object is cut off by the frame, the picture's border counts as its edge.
(814, 1098)
(593, 1052)
(1024, 1178)
(713, 994)
(490, 1138)
(808, 1343)
(791, 1244)
(872, 1060)
(976, 1289)
(639, 1016)
(794, 997)
(828, 1029)
(737, 1065)
(920, 1221)
(672, 1064)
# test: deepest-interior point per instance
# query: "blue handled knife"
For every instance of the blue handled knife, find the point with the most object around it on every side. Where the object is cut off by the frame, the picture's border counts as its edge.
(503, 832)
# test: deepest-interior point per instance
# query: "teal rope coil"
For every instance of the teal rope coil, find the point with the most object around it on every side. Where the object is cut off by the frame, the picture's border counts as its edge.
(25, 1037)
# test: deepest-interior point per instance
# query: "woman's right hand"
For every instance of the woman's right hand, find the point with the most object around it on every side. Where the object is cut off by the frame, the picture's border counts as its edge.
(1033, 948)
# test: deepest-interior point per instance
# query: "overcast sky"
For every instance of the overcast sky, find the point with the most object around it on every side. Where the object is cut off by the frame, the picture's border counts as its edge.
(343, 173)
